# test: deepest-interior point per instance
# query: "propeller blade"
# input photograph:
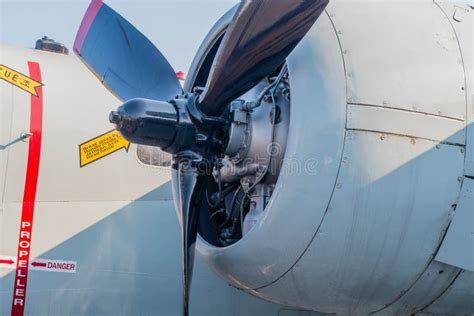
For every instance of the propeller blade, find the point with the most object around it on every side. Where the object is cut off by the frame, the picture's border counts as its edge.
(189, 186)
(123, 59)
(258, 40)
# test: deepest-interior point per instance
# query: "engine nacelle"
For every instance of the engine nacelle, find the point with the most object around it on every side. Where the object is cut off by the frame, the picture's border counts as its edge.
(374, 165)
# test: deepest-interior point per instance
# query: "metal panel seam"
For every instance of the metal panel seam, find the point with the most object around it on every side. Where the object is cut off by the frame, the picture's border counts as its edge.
(444, 292)
(402, 293)
(407, 110)
(337, 175)
(463, 67)
(406, 136)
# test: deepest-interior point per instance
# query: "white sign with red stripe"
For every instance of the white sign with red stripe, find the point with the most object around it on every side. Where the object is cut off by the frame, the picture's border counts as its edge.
(40, 264)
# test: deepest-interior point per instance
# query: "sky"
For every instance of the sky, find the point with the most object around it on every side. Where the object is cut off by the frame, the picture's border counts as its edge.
(176, 27)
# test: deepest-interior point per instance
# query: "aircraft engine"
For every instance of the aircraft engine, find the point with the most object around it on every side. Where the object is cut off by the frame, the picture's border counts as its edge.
(321, 153)
(371, 124)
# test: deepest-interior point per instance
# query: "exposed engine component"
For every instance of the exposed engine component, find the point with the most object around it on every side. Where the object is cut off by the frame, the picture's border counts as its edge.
(254, 152)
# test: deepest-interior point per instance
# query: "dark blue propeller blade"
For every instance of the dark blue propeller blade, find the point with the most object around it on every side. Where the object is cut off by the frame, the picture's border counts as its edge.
(123, 59)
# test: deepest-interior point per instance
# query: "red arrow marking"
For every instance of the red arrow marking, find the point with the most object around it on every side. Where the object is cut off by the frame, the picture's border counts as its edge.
(7, 261)
(38, 264)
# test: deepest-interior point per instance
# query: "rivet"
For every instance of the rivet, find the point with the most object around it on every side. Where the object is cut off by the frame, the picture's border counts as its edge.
(382, 137)
(339, 185)
(413, 141)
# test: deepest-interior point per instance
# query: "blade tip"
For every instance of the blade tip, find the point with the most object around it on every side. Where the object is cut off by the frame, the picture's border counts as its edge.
(86, 23)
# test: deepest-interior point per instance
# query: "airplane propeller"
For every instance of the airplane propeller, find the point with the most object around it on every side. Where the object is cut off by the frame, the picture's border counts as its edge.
(194, 128)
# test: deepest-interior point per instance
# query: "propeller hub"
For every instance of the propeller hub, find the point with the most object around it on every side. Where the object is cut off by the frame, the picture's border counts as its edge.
(156, 123)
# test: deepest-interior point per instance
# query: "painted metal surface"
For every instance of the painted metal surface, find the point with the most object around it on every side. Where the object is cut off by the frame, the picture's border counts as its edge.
(408, 51)
(310, 167)
(113, 218)
(374, 250)
(130, 256)
(407, 123)
(431, 284)
(6, 139)
(457, 248)
(6, 102)
(377, 237)
(457, 300)
(77, 117)
(461, 19)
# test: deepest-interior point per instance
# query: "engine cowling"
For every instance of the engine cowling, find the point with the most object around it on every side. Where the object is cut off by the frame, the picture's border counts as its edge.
(372, 172)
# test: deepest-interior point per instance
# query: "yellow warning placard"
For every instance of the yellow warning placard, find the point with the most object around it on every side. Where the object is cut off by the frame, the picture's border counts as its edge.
(101, 146)
(20, 80)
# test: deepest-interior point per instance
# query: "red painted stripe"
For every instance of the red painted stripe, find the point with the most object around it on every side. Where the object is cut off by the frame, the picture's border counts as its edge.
(86, 23)
(29, 196)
